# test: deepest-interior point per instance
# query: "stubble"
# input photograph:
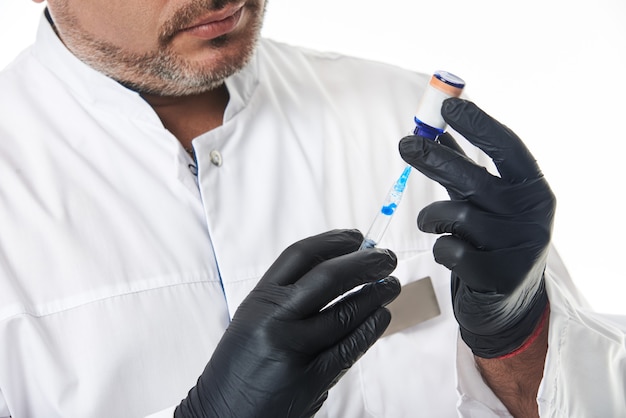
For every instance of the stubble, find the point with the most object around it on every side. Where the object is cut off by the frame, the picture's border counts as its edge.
(163, 71)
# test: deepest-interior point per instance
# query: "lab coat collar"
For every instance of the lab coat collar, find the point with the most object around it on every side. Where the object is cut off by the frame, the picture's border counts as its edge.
(102, 91)
(241, 86)
(83, 81)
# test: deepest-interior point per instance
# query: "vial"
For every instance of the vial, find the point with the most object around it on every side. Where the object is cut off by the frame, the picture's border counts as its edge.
(428, 120)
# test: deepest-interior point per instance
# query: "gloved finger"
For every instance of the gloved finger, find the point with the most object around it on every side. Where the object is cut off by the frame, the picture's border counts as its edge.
(467, 180)
(511, 157)
(301, 401)
(335, 322)
(332, 278)
(448, 140)
(317, 405)
(481, 229)
(333, 363)
(302, 256)
(486, 271)
(457, 173)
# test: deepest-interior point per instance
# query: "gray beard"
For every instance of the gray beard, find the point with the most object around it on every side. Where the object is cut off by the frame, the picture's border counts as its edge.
(162, 74)
(159, 72)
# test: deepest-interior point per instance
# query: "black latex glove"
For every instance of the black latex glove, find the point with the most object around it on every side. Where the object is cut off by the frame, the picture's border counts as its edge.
(282, 352)
(498, 228)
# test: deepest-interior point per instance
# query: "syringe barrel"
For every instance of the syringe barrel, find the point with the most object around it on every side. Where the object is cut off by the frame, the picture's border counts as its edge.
(377, 230)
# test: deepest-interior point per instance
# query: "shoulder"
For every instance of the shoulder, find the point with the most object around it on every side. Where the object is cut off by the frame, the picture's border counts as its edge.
(335, 67)
(15, 74)
(20, 84)
(338, 81)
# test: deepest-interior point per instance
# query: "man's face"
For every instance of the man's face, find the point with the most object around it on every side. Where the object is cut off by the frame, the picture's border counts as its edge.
(164, 47)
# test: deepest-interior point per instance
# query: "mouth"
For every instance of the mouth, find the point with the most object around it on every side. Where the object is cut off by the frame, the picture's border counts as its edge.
(216, 24)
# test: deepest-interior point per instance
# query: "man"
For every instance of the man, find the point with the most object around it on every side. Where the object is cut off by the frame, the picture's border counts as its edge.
(156, 160)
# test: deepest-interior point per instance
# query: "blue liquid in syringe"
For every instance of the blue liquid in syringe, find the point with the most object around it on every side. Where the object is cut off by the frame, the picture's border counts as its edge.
(383, 217)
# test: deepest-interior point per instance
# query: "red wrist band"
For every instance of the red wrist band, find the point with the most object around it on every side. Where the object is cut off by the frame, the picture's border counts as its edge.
(530, 340)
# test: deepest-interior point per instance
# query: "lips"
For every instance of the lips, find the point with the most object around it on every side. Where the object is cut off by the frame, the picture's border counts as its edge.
(216, 24)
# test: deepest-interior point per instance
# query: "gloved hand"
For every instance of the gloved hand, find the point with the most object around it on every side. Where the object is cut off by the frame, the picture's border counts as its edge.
(282, 351)
(498, 228)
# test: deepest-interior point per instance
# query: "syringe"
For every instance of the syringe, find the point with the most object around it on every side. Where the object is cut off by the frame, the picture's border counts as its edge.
(428, 123)
(384, 215)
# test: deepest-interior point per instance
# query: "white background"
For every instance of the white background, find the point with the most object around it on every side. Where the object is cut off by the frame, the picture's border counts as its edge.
(552, 70)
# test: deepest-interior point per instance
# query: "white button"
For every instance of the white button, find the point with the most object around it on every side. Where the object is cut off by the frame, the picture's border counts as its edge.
(216, 158)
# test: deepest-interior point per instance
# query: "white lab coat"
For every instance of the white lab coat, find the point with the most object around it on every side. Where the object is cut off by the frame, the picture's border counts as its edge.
(119, 269)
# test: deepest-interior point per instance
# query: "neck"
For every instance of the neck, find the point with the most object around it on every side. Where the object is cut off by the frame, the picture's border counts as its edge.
(187, 117)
